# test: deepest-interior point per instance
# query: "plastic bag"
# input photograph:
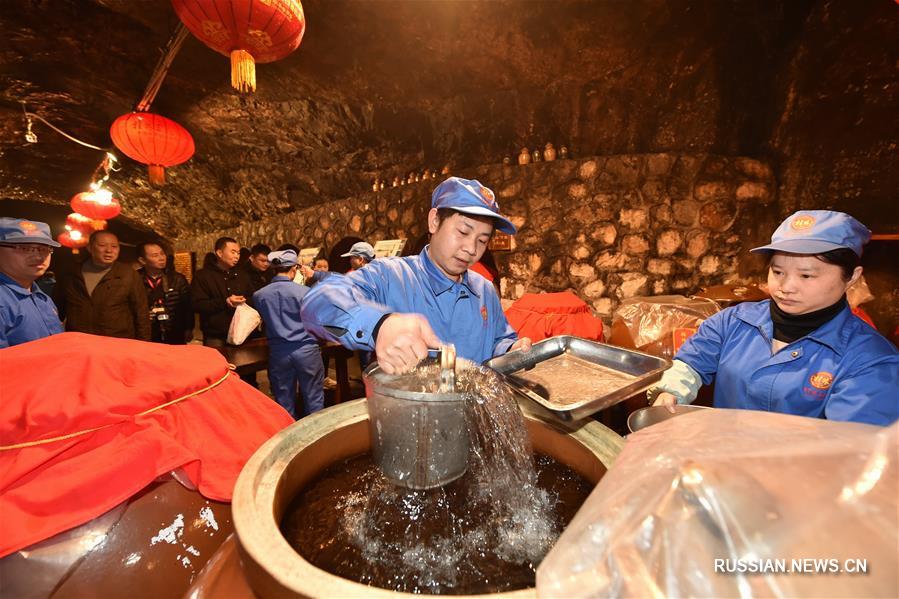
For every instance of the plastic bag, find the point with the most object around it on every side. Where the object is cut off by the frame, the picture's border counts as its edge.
(734, 503)
(859, 293)
(244, 322)
(659, 325)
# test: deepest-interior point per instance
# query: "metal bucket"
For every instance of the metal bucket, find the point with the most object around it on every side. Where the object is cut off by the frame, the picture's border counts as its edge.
(419, 440)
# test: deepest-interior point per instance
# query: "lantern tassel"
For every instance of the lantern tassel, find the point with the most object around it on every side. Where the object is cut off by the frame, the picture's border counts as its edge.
(243, 71)
(157, 174)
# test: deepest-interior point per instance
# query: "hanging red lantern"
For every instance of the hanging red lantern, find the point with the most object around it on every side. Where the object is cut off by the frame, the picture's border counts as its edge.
(154, 140)
(83, 224)
(249, 31)
(73, 239)
(97, 204)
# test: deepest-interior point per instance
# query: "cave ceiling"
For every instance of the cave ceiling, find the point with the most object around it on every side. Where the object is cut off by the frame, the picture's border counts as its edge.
(379, 88)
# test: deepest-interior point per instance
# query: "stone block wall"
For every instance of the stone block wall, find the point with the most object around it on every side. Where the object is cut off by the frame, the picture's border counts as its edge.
(608, 228)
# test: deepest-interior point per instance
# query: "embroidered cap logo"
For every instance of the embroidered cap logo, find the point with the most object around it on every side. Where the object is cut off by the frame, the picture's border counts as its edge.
(487, 197)
(802, 223)
(28, 227)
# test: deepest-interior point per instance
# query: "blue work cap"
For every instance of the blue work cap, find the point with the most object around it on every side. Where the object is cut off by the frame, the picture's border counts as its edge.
(283, 258)
(470, 197)
(361, 249)
(18, 230)
(816, 232)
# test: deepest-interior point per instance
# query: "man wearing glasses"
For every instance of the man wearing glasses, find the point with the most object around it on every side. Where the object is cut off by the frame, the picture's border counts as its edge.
(26, 312)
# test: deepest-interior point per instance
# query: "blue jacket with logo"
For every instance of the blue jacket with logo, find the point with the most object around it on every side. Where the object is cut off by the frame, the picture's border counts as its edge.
(25, 315)
(844, 370)
(466, 313)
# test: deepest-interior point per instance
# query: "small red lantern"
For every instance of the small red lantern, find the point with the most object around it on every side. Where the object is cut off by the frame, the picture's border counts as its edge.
(154, 140)
(83, 224)
(249, 31)
(97, 204)
(73, 239)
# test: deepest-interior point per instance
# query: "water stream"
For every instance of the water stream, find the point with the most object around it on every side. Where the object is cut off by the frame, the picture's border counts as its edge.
(485, 532)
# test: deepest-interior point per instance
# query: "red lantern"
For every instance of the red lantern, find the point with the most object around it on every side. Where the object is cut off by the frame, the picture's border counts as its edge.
(83, 224)
(154, 140)
(73, 240)
(96, 204)
(249, 31)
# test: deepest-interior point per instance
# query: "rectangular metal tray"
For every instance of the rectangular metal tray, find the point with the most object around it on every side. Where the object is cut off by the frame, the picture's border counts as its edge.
(573, 378)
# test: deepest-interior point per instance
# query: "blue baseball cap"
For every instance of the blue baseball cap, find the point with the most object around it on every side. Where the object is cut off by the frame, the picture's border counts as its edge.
(283, 258)
(470, 197)
(361, 249)
(19, 230)
(816, 232)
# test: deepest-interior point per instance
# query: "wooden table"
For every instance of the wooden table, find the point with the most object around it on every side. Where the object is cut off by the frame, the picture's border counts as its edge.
(253, 355)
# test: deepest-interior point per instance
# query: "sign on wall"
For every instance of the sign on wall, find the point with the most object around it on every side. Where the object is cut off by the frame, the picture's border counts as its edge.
(388, 248)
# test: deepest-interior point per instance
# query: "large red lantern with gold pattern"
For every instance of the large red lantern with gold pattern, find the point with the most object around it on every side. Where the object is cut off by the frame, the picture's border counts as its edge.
(99, 205)
(154, 140)
(249, 31)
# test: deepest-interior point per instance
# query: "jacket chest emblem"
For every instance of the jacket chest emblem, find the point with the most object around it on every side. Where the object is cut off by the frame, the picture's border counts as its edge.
(821, 380)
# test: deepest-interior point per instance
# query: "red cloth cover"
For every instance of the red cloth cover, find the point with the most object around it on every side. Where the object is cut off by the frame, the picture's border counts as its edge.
(858, 311)
(71, 382)
(482, 270)
(543, 315)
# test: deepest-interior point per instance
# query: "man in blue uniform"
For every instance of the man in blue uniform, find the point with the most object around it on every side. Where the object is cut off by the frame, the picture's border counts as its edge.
(26, 312)
(294, 355)
(803, 351)
(400, 307)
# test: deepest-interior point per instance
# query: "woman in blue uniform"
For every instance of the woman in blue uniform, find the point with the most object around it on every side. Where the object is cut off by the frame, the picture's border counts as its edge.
(803, 351)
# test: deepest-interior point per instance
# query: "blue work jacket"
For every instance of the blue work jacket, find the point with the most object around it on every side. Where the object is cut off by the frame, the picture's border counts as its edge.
(25, 315)
(466, 313)
(844, 370)
(279, 305)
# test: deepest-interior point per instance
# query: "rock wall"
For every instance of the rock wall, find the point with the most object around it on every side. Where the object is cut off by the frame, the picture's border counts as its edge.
(608, 227)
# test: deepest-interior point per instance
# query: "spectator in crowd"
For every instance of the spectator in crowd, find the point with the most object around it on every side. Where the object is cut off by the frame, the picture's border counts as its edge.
(218, 289)
(321, 265)
(257, 266)
(168, 296)
(360, 254)
(104, 296)
(26, 312)
(294, 355)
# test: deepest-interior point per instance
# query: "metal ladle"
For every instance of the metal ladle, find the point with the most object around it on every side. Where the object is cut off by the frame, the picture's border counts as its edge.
(447, 368)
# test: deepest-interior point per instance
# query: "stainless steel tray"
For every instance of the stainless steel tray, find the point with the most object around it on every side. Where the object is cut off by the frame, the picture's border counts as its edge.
(573, 377)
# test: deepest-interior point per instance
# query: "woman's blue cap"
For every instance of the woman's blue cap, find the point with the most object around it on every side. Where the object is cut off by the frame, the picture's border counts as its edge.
(470, 197)
(816, 232)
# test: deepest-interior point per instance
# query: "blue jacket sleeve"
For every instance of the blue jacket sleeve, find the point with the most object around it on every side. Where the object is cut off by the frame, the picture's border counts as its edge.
(702, 350)
(869, 394)
(346, 309)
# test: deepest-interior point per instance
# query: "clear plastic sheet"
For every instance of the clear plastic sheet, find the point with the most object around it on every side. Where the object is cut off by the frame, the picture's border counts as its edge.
(659, 325)
(733, 503)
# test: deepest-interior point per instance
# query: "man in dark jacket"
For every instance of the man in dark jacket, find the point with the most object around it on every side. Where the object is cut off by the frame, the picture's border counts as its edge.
(218, 289)
(168, 296)
(258, 267)
(104, 297)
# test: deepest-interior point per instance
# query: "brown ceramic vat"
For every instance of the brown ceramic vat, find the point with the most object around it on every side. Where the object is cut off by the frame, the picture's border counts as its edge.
(292, 459)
